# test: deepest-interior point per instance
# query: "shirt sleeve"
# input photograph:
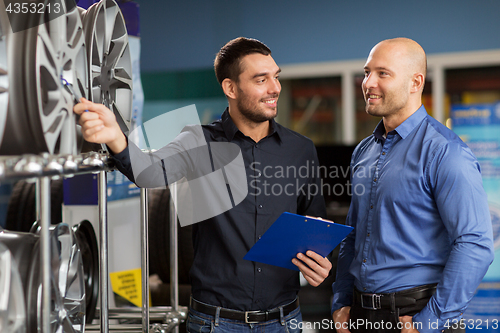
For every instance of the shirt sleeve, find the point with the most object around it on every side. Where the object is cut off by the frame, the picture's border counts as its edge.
(344, 281)
(122, 162)
(454, 178)
(168, 164)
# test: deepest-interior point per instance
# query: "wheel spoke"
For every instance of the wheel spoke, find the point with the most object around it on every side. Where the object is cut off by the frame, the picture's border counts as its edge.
(45, 59)
(96, 72)
(74, 296)
(65, 262)
(97, 51)
(54, 321)
(96, 93)
(70, 56)
(74, 28)
(117, 49)
(110, 15)
(121, 79)
(76, 36)
(69, 326)
(57, 301)
(56, 30)
(121, 117)
(52, 100)
(73, 289)
(69, 290)
(52, 134)
(68, 135)
(80, 69)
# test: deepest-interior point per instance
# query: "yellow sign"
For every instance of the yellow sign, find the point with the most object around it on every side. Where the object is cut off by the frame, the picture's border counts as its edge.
(128, 284)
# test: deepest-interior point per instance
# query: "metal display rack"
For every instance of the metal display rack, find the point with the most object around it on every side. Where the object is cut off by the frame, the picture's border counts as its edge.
(41, 169)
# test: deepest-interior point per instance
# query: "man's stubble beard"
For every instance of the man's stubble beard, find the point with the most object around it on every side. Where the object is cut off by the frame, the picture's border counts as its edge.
(392, 104)
(253, 112)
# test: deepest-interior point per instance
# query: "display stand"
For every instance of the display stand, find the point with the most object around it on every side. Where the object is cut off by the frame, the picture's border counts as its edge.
(174, 267)
(145, 260)
(41, 168)
(103, 248)
(44, 200)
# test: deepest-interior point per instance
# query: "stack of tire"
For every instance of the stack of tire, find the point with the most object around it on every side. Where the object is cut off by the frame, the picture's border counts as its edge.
(159, 249)
(51, 54)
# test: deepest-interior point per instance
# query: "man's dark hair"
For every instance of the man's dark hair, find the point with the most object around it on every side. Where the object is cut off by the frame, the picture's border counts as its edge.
(228, 60)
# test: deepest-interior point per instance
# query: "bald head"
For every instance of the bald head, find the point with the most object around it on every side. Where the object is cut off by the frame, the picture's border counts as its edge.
(407, 51)
(394, 80)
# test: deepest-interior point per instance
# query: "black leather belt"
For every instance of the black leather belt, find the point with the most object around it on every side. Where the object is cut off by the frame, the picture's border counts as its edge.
(248, 317)
(400, 299)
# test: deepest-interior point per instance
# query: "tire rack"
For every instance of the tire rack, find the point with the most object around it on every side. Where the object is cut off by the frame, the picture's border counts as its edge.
(41, 168)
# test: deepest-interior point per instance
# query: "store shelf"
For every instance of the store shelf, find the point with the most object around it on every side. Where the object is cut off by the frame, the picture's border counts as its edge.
(41, 169)
(14, 168)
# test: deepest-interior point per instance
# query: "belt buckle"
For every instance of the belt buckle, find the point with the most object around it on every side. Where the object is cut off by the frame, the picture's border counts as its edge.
(246, 317)
(370, 301)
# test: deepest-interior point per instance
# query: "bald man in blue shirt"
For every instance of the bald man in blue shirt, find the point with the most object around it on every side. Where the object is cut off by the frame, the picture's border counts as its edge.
(423, 237)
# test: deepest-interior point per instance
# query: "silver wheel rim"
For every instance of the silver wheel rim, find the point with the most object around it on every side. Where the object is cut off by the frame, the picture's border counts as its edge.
(12, 309)
(67, 285)
(60, 54)
(109, 59)
(4, 69)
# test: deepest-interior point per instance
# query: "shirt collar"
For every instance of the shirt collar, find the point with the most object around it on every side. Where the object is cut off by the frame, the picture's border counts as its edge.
(230, 128)
(379, 131)
(405, 127)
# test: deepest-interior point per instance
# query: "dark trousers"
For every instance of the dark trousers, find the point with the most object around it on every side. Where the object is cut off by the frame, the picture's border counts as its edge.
(386, 320)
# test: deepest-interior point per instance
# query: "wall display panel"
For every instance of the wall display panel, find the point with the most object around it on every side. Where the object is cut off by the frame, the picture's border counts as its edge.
(473, 85)
(315, 109)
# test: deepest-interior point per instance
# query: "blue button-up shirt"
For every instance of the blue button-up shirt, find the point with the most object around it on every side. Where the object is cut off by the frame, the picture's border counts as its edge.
(420, 215)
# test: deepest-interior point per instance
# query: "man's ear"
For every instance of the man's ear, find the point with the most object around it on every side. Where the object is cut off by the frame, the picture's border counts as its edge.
(229, 88)
(417, 82)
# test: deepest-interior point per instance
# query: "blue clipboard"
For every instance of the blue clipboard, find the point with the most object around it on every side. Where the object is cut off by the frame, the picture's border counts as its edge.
(291, 234)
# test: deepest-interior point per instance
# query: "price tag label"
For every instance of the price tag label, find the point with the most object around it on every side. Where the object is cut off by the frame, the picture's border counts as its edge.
(128, 284)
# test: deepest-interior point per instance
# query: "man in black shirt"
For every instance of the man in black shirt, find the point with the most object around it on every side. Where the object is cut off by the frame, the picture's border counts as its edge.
(281, 168)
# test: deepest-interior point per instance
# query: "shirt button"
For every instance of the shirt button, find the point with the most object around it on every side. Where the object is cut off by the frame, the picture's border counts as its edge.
(256, 146)
(375, 179)
(368, 235)
(383, 153)
(364, 260)
(260, 206)
(364, 289)
(371, 207)
(259, 269)
(259, 174)
(260, 236)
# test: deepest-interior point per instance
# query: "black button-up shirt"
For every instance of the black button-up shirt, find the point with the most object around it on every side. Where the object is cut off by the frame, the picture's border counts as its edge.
(283, 176)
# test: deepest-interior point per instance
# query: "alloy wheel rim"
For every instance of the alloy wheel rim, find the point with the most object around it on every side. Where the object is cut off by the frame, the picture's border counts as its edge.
(110, 79)
(4, 70)
(60, 57)
(12, 308)
(67, 313)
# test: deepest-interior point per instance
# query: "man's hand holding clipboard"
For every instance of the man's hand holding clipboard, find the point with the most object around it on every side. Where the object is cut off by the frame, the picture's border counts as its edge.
(316, 268)
(300, 243)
